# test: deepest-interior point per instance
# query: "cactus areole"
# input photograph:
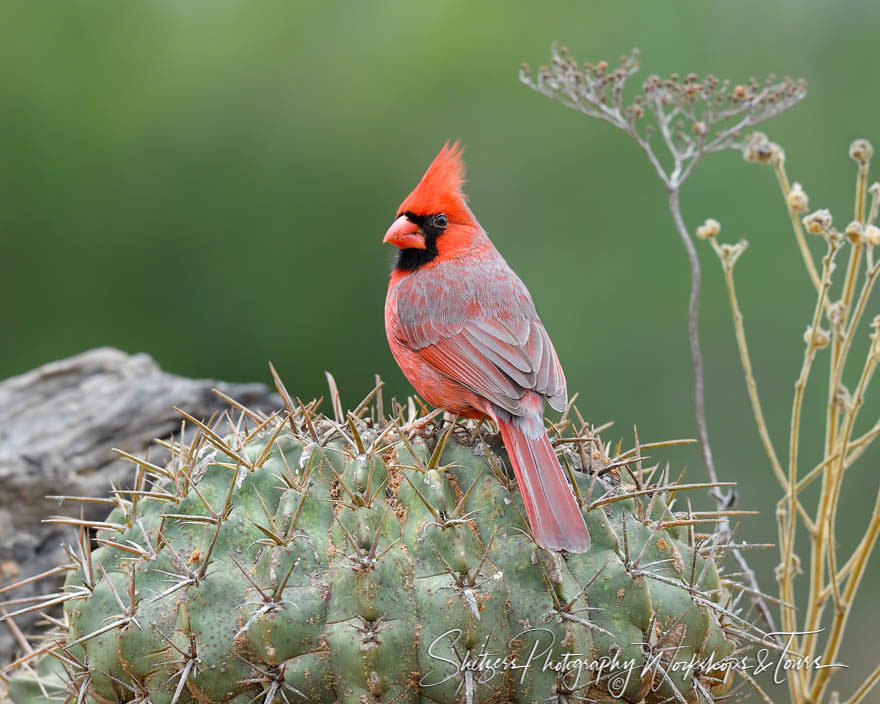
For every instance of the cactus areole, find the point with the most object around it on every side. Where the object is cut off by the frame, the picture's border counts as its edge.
(359, 560)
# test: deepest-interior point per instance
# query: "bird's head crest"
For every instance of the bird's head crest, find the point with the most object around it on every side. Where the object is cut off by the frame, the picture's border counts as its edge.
(439, 191)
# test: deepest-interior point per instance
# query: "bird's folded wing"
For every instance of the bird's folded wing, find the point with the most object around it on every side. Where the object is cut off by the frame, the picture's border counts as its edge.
(497, 360)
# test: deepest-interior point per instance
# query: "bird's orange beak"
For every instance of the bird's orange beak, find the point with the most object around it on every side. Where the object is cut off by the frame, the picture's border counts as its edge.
(405, 234)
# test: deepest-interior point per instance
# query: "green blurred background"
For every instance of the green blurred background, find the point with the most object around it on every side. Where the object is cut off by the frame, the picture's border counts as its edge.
(208, 181)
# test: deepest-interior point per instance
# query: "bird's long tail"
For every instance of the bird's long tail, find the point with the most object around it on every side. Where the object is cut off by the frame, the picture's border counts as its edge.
(554, 516)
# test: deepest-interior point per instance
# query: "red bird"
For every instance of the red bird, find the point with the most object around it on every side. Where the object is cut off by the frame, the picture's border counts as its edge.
(464, 330)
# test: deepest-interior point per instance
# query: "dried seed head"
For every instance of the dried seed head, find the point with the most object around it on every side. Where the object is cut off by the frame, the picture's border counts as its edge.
(854, 231)
(818, 222)
(871, 235)
(797, 199)
(634, 112)
(758, 149)
(696, 106)
(874, 190)
(817, 341)
(861, 150)
(708, 229)
(731, 252)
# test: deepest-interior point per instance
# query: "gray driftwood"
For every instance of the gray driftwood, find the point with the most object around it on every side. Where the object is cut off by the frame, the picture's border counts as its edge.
(58, 425)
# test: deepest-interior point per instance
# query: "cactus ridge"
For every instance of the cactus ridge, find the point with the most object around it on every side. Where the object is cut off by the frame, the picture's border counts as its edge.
(373, 558)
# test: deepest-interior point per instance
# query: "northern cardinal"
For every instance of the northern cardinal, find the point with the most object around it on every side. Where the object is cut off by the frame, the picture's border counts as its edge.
(464, 330)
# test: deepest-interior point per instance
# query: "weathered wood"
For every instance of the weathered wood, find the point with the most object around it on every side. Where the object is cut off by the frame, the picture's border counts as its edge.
(58, 424)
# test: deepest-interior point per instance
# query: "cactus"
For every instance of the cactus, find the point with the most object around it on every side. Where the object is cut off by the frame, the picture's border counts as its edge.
(363, 559)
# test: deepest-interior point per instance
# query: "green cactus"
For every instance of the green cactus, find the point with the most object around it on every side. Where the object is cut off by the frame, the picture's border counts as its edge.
(361, 559)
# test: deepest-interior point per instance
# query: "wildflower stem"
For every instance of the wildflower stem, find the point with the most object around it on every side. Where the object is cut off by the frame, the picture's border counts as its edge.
(787, 536)
(837, 474)
(846, 340)
(838, 361)
(727, 264)
(782, 176)
(862, 190)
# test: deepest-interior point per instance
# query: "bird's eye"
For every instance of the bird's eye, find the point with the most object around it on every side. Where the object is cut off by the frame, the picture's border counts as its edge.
(440, 221)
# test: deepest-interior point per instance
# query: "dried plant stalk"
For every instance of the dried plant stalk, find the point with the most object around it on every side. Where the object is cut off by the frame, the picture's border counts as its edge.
(829, 581)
